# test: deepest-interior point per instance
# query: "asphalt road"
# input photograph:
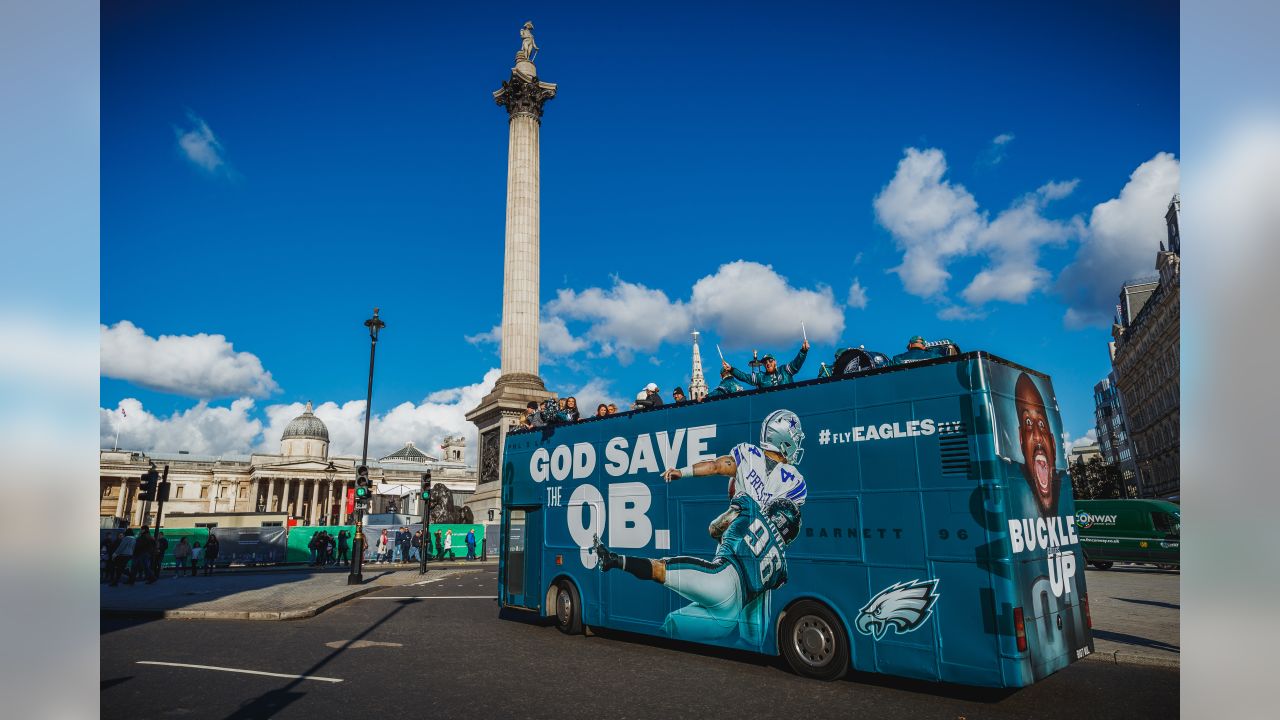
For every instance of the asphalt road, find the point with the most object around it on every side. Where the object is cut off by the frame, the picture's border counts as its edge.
(451, 656)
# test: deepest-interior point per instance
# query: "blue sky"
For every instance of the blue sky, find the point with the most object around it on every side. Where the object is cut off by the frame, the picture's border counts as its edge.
(270, 172)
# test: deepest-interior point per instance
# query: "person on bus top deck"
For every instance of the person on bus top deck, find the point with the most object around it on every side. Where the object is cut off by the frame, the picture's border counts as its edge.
(916, 350)
(774, 375)
(532, 418)
(728, 383)
(764, 471)
(677, 395)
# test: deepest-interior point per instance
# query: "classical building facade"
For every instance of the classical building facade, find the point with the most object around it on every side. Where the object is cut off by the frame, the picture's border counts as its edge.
(303, 483)
(1147, 368)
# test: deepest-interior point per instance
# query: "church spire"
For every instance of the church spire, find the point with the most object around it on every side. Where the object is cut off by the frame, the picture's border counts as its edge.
(698, 385)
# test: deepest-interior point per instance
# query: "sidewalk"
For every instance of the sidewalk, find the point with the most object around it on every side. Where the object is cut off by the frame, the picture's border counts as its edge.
(285, 594)
(1136, 612)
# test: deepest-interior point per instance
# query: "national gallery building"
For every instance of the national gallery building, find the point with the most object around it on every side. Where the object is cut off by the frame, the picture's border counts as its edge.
(302, 482)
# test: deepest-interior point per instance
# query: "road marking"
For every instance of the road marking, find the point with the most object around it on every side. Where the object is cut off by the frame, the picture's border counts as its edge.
(239, 670)
(430, 597)
(358, 644)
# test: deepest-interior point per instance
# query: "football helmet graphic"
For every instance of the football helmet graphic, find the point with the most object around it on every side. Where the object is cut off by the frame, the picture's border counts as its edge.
(785, 515)
(781, 433)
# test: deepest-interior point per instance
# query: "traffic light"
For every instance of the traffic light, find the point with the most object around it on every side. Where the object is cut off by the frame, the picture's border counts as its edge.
(426, 486)
(363, 490)
(163, 493)
(147, 485)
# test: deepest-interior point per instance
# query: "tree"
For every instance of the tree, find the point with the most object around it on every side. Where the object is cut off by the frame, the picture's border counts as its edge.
(1096, 480)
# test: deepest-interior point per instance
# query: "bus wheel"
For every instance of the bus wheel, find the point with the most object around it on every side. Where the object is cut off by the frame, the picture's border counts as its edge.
(814, 642)
(1102, 564)
(568, 608)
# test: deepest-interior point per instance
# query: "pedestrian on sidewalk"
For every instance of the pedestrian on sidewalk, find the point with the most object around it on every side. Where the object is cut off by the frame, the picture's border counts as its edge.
(406, 540)
(113, 542)
(142, 557)
(197, 554)
(471, 544)
(181, 554)
(162, 546)
(382, 546)
(210, 553)
(104, 558)
(313, 545)
(328, 548)
(439, 546)
(415, 546)
(123, 557)
(448, 542)
(343, 549)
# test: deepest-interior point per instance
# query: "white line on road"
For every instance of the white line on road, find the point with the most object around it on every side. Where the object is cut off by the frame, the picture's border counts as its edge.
(430, 597)
(238, 670)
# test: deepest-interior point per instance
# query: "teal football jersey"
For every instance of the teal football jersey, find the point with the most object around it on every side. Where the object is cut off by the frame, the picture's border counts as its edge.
(753, 544)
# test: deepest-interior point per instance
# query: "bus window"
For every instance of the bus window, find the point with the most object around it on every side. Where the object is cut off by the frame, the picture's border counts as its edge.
(1166, 523)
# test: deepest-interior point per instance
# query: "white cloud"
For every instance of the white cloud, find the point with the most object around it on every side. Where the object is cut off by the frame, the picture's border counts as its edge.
(1090, 438)
(1120, 243)
(931, 220)
(199, 366)
(1002, 139)
(200, 146)
(934, 221)
(997, 151)
(857, 295)
(233, 430)
(625, 318)
(594, 392)
(748, 303)
(554, 338)
(202, 430)
(960, 312)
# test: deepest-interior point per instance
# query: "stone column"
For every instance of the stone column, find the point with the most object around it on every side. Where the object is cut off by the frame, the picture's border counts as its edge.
(315, 502)
(284, 495)
(342, 503)
(523, 96)
(124, 488)
(253, 495)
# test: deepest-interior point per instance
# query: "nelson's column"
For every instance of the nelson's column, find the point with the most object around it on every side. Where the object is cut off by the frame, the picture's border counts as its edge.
(523, 96)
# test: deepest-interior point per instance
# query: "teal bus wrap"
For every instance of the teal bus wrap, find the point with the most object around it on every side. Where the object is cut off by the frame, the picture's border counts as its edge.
(924, 511)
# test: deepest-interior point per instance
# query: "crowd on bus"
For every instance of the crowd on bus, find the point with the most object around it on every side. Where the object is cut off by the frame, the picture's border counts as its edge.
(764, 373)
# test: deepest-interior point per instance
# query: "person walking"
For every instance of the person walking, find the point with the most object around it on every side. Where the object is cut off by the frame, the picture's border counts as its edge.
(197, 554)
(181, 555)
(343, 549)
(439, 546)
(382, 546)
(471, 544)
(448, 542)
(210, 553)
(162, 546)
(123, 557)
(415, 546)
(142, 557)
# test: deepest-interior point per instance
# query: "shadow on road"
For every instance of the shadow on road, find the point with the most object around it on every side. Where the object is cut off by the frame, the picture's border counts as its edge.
(1156, 603)
(1134, 640)
(270, 703)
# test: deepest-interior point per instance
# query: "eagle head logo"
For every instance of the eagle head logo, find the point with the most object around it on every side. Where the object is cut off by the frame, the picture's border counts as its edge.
(902, 606)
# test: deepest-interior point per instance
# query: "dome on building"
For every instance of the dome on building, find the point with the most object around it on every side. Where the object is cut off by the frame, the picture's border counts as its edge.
(306, 425)
(409, 453)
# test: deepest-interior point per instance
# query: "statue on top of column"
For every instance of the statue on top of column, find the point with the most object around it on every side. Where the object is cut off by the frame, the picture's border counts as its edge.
(528, 48)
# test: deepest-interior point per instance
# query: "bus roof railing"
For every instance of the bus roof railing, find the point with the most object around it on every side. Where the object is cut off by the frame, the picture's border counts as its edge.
(971, 355)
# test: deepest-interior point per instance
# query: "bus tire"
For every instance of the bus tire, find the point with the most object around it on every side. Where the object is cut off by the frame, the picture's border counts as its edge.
(814, 642)
(568, 609)
(1102, 564)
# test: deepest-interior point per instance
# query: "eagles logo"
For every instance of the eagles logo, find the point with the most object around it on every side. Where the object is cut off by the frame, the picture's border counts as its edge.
(902, 606)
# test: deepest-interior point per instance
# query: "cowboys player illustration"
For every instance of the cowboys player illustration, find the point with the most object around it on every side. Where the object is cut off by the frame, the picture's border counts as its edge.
(730, 592)
(764, 472)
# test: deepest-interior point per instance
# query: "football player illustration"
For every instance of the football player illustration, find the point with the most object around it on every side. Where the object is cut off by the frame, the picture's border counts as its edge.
(729, 593)
(765, 471)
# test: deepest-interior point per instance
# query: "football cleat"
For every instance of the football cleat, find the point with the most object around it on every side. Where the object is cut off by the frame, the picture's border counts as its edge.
(608, 558)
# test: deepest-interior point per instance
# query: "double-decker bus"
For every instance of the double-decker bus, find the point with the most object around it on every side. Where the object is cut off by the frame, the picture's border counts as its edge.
(913, 520)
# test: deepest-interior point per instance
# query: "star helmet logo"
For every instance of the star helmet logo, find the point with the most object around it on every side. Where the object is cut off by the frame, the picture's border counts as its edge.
(902, 606)
(1084, 519)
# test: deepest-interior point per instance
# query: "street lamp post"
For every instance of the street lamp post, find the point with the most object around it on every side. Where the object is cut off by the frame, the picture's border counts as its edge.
(329, 474)
(356, 576)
